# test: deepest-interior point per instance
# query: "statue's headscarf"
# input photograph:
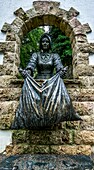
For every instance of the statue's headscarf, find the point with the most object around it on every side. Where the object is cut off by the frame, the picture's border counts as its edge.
(48, 37)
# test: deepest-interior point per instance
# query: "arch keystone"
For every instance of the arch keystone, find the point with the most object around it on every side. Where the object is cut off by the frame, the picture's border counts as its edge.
(45, 6)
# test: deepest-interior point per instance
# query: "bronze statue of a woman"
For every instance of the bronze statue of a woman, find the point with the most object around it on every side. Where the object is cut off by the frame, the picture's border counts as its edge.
(42, 106)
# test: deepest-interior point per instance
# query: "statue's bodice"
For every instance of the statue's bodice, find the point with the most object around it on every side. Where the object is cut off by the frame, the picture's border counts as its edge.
(45, 66)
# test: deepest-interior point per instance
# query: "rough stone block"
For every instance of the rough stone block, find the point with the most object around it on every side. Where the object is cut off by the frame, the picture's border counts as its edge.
(68, 30)
(87, 82)
(12, 36)
(21, 14)
(10, 61)
(20, 136)
(91, 47)
(6, 27)
(71, 149)
(8, 107)
(8, 94)
(81, 94)
(84, 47)
(84, 108)
(63, 24)
(71, 126)
(85, 70)
(79, 31)
(45, 137)
(45, 6)
(72, 83)
(87, 123)
(10, 46)
(84, 137)
(19, 149)
(7, 81)
(10, 69)
(34, 137)
(73, 12)
(40, 137)
(87, 28)
(2, 46)
(74, 22)
(19, 27)
(82, 58)
(7, 112)
(60, 137)
(41, 149)
(31, 24)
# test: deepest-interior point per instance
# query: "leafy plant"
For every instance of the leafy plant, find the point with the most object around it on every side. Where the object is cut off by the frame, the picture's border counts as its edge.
(61, 45)
(30, 44)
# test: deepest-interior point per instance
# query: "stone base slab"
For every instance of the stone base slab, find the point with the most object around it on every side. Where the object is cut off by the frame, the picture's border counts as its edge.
(46, 162)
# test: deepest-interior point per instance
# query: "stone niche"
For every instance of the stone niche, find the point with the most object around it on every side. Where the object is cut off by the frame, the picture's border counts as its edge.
(68, 137)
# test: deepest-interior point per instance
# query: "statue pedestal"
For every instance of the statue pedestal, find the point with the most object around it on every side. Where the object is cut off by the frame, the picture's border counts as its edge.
(59, 140)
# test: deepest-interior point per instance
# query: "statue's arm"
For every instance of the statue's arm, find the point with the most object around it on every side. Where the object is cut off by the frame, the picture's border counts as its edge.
(59, 66)
(57, 62)
(30, 67)
(32, 63)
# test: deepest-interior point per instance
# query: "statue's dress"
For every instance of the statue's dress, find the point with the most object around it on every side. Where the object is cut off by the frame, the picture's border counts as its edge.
(47, 104)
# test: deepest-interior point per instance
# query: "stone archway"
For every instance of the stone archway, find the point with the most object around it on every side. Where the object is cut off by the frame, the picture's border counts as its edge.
(81, 88)
(47, 13)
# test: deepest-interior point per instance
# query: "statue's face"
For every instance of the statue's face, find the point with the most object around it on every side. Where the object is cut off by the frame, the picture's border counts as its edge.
(45, 43)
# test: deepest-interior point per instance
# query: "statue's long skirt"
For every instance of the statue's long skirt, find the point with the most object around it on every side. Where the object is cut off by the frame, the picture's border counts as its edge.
(43, 105)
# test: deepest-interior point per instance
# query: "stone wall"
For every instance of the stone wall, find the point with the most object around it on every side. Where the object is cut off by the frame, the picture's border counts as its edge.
(67, 137)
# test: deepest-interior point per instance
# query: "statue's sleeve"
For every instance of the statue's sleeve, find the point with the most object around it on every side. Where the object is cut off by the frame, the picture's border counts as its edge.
(32, 63)
(57, 62)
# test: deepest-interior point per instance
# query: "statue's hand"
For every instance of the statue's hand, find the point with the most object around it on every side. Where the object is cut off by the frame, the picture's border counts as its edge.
(63, 71)
(24, 72)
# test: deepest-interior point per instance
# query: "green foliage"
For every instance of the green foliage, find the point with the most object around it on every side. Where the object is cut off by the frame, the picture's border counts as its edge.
(30, 44)
(61, 45)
